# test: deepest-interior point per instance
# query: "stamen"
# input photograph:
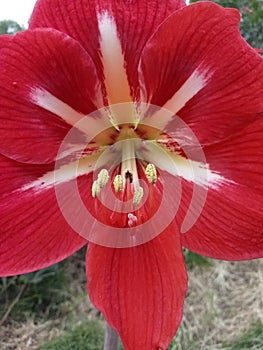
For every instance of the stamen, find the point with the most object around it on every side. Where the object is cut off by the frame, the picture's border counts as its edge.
(151, 173)
(118, 183)
(95, 190)
(138, 194)
(103, 178)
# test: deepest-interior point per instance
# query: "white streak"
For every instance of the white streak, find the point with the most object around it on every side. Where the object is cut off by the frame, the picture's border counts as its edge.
(187, 91)
(86, 124)
(177, 165)
(49, 102)
(63, 174)
(116, 81)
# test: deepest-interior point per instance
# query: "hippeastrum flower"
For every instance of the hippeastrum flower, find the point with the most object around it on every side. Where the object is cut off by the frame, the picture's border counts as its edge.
(137, 126)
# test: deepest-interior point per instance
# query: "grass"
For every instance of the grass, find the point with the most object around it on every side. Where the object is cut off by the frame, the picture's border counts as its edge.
(193, 260)
(84, 337)
(54, 313)
(25, 296)
(250, 340)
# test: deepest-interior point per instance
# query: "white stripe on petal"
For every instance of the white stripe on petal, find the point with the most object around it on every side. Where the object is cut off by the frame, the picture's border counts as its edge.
(63, 174)
(177, 165)
(187, 91)
(195, 83)
(49, 102)
(116, 81)
(86, 124)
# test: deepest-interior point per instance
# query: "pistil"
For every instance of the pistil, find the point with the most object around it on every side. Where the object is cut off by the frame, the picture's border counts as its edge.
(128, 164)
(129, 171)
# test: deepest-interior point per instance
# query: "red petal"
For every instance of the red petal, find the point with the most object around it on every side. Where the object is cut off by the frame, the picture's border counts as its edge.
(226, 229)
(135, 20)
(231, 224)
(4, 39)
(32, 64)
(200, 46)
(33, 231)
(140, 290)
(239, 159)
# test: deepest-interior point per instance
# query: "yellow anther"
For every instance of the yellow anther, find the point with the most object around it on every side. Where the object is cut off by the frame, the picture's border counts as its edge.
(103, 178)
(95, 190)
(118, 183)
(138, 194)
(151, 173)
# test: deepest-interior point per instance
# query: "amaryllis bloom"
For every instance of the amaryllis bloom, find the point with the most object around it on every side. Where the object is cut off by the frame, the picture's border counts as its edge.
(135, 126)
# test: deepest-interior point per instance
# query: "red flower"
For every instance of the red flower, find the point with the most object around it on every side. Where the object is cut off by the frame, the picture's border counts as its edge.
(136, 180)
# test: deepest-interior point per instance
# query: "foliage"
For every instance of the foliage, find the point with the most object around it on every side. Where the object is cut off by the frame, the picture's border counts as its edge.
(85, 337)
(10, 27)
(251, 25)
(193, 259)
(33, 294)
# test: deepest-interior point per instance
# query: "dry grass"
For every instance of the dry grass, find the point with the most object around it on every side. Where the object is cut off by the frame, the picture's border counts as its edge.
(223, 301)
(18, 336)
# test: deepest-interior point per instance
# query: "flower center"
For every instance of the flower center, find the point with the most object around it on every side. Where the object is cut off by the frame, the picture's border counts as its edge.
(125, 179)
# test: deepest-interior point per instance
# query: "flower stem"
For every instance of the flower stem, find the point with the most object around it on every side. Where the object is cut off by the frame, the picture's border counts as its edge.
(111, 340)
